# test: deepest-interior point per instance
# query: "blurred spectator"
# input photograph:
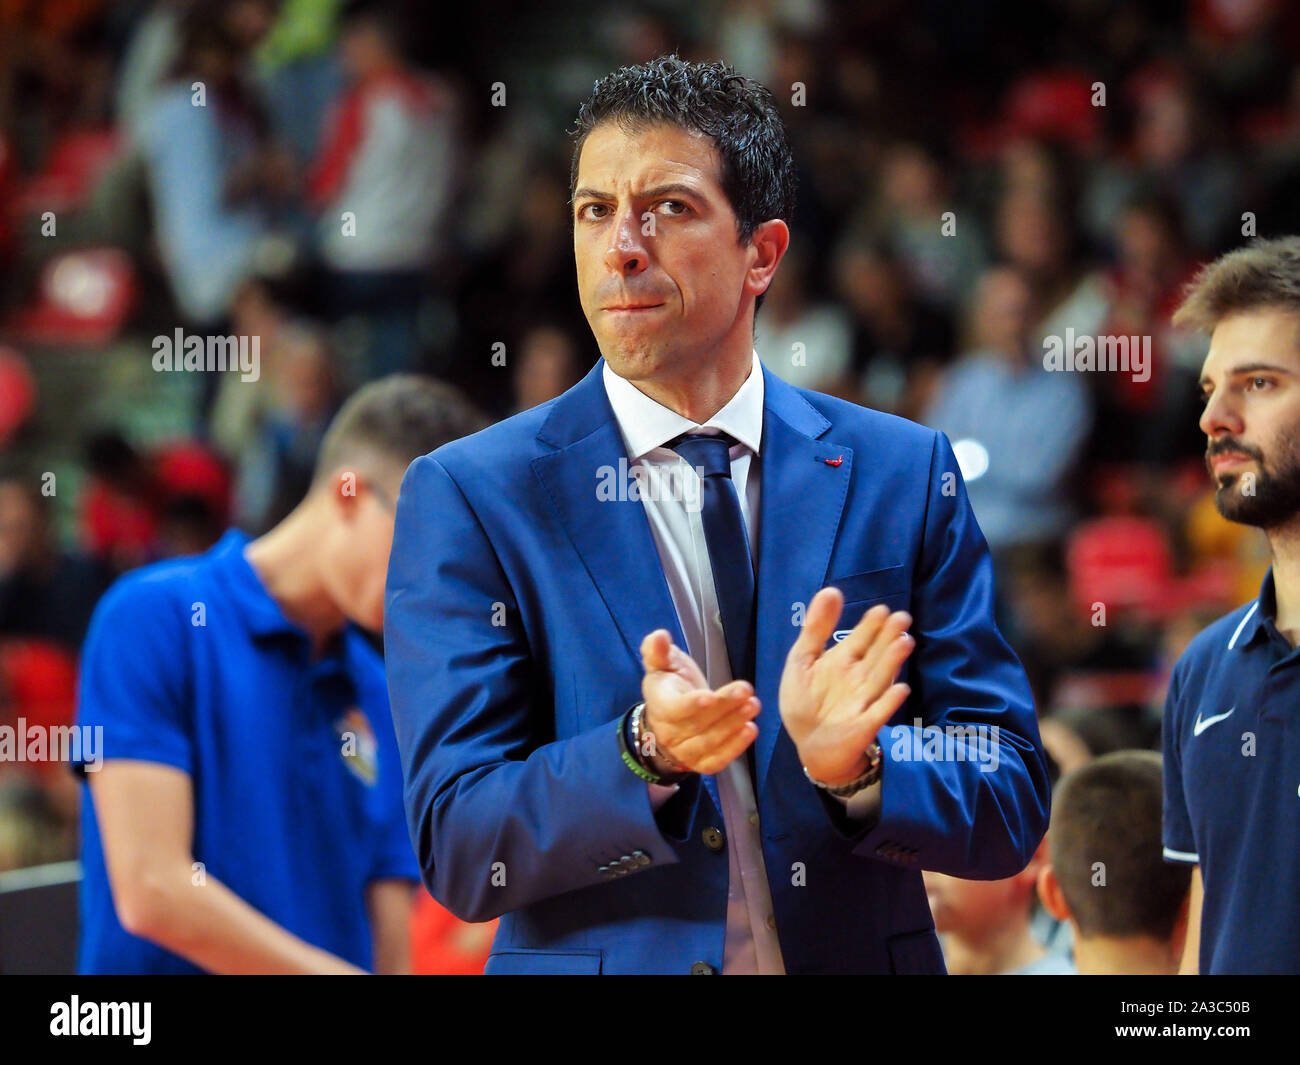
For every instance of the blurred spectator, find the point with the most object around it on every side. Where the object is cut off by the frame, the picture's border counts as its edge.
(380, 186)
(194, 488)
(1035, 233)
(150, 55)
(256, 312)
(138, 507)
(38, 690)
(984, 925)
(1017, 428)
(1106, 873)
(547, 366)
(1056, 105)
(1079, 734)
(32, 832)
(526, 275)
(939, 243)
(299, 71)
(119, 504)
(279, 423)
(899, 340)
(1151, 421)
(1171, 152)
(807, 343)
(54, 69)
(44, 591)
(202, 135)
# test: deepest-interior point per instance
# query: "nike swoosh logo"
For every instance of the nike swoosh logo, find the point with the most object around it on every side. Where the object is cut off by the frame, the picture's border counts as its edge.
(1202, 725)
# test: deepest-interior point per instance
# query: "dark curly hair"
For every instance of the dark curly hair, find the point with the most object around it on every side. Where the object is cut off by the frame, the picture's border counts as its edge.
(739, 114)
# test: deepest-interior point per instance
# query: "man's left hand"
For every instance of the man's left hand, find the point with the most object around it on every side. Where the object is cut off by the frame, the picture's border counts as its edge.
(833, 702)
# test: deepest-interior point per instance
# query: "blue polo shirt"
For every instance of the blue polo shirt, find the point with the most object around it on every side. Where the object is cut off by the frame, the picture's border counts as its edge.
(297, 783)
(1232, 787)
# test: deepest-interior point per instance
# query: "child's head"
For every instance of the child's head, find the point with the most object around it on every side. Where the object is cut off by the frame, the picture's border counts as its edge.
(976, 909)
(1106, 872)
(377, 433)
(370, 39)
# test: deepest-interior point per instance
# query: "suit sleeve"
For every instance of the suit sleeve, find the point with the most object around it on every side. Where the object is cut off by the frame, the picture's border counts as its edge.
(501, 813)
(965, 791)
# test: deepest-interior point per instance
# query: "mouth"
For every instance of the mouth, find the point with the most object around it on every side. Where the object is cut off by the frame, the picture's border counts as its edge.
(633, 308)
(1229, 460)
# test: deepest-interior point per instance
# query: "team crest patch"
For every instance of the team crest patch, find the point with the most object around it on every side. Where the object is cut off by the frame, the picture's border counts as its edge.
(357, 745)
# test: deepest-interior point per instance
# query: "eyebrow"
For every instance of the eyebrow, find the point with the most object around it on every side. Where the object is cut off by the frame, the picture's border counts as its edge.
(1253, 367)
(673, 188)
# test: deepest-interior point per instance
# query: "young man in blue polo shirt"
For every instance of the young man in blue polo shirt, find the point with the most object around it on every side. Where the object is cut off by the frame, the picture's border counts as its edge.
(247, 817)
(1231, 735)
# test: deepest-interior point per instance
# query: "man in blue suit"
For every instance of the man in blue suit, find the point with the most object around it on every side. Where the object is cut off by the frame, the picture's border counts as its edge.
(644, 641)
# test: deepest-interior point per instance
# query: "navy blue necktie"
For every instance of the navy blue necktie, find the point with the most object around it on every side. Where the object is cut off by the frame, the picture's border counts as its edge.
(724, 533)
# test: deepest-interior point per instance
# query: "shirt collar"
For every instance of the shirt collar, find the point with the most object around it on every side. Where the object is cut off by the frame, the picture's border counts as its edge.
(647, 424)
(1255, 619)
(259, 611)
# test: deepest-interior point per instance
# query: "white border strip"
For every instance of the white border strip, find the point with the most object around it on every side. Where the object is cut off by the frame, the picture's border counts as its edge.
(40, 876)
(1182, 856)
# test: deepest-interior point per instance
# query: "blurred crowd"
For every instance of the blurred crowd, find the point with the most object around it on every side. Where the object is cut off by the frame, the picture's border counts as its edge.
(370, 187)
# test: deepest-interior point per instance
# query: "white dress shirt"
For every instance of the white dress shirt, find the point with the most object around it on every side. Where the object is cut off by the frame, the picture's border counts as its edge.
(671, 495)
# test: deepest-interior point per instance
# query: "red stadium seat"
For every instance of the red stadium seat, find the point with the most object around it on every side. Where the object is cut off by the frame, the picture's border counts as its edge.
(1124, 562)
(83, 299)
(39, 680)
(17, 392)
(73, 165)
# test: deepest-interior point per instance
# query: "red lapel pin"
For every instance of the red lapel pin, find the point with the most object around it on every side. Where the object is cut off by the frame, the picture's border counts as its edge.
(833, 462)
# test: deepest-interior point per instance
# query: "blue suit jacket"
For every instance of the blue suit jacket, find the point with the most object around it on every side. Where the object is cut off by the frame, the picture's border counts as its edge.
(517, 602)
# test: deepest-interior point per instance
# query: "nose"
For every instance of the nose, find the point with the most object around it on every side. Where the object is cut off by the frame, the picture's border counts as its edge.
(1221, 417)
(627, 253)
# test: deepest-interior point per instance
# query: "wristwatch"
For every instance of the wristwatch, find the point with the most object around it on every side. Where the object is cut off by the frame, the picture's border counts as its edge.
(875, 764)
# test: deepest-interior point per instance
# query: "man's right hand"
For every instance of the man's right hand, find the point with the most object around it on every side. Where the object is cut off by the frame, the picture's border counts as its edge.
(698, 728)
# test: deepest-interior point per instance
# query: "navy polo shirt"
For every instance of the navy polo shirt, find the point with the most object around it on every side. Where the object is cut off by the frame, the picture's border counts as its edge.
(1232, 787)
(297, 783)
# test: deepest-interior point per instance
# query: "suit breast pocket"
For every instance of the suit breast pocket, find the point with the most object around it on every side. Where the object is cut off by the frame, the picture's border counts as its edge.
(862, 591)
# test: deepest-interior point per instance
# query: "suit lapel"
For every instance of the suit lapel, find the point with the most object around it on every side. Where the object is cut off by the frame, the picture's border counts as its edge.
(802, 500)
(613, 538)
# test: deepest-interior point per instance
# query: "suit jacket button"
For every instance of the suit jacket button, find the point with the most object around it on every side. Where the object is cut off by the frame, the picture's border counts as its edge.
(641, 857)
(603, 869)
(702, 968)
(713, 839)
